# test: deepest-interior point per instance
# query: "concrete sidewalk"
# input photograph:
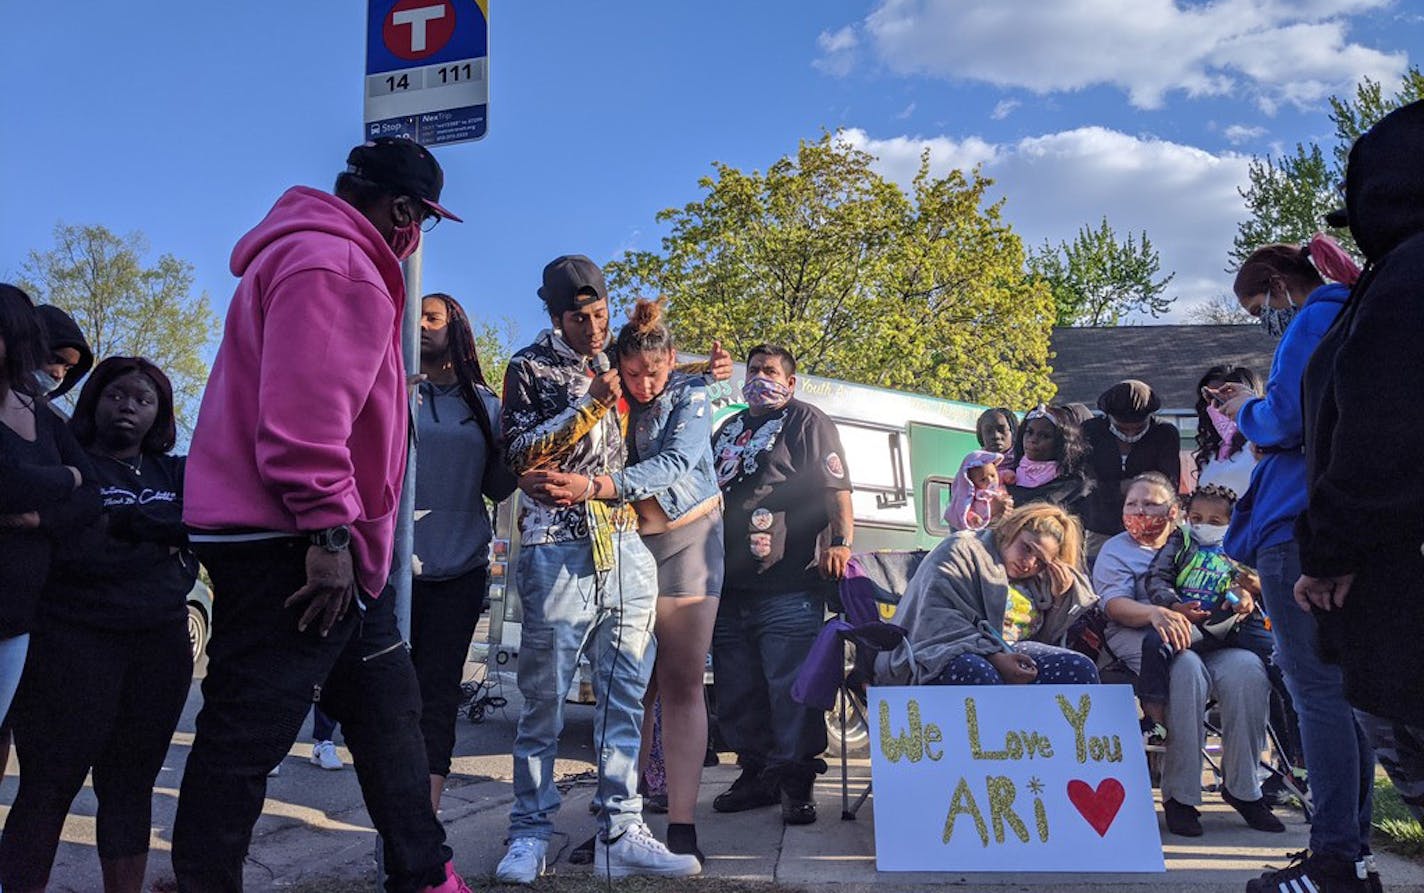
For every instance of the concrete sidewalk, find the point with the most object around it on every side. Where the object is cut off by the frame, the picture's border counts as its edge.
(314, 832)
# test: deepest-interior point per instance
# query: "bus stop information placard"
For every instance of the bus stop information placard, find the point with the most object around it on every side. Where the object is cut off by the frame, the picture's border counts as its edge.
(427, 70)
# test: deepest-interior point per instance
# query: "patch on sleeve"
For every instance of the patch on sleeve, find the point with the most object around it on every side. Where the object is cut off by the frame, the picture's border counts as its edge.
(834, 466)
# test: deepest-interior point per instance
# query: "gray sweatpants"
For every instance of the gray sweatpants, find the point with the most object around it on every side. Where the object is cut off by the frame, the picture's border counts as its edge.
(1237, 679)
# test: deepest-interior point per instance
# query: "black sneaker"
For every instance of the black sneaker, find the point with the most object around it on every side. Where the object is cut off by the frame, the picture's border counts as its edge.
(1309, 873)
(1257, 813)
(751, 790)
(1182, 820)
(798, 801)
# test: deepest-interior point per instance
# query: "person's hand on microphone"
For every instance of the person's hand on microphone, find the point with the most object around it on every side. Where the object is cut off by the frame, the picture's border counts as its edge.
(606, 388)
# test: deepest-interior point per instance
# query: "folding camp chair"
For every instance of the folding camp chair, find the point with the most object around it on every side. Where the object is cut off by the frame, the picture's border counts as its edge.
(831, 678)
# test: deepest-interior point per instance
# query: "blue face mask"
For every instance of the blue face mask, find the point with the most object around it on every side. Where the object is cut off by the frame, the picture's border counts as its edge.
(45, 382)
(1275, 320)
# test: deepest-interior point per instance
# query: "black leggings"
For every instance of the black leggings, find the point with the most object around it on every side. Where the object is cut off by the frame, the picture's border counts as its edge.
(443, 615)
(92, 698)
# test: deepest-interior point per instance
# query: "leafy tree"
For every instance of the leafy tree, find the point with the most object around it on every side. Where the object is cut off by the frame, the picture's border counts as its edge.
(1288, 197)
(1352, 117)
(1097, 280)
(494, 342)
(1287, 201)
(922, 291)
(1221, 310)
(124, 307)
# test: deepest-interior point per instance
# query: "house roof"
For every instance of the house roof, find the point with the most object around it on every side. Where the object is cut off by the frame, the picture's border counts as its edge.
(1088, 361)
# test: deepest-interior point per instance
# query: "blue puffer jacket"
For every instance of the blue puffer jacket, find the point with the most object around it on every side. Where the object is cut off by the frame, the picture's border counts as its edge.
(672, 440)
(1266, 514)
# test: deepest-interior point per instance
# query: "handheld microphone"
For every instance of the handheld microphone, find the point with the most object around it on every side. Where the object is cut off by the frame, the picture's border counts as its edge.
(600, 363)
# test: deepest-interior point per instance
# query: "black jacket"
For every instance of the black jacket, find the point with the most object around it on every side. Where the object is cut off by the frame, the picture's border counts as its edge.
(1364, 466)
(1069, 492)
(33, 479)
(1158, 450)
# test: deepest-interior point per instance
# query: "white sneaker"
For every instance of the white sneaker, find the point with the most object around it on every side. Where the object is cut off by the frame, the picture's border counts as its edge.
(524, 862)
(324, 755)
(637, 852)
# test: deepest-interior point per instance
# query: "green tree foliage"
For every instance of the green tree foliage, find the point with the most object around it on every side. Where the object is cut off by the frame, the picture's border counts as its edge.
(922, 291)
(125, 307)
(1098, 280)
(1286, 201)
(494, 342)
(1288, 197)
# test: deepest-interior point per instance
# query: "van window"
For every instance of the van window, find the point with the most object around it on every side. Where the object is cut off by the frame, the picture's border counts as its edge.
(878, 470)
(935, 499)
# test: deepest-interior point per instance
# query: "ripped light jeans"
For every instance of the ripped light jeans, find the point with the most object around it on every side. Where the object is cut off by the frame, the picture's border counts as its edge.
(568, 610)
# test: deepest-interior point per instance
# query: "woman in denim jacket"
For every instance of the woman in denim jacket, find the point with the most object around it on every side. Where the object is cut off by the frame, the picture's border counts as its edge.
(670, 482)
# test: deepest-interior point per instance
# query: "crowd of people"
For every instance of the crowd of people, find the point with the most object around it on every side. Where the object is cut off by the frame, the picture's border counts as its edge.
(1277, 575)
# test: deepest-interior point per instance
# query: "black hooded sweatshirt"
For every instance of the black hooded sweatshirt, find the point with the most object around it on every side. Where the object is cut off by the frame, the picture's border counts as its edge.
(62, 331)
(1364, 456)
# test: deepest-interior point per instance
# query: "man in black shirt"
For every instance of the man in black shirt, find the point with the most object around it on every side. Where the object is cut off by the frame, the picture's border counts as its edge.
(788, 527)
(1127, 440)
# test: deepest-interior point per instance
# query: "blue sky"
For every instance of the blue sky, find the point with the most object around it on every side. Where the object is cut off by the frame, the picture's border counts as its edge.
(187, 120)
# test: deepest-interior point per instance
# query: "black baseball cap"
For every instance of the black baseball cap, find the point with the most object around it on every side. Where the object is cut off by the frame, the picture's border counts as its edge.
(566, 278)
(402, 165)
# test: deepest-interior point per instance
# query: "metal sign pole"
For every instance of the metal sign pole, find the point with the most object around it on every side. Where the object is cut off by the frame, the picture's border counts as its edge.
(405, 519)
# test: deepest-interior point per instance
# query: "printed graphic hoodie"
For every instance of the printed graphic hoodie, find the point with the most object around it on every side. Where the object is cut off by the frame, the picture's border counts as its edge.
(304, 422)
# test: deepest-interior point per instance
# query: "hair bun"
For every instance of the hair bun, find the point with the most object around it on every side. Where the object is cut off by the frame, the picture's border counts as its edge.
(647, 315)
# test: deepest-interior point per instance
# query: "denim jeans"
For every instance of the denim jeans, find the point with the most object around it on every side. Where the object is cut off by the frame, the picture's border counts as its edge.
(12, 666)
(759, 643)
(1337, 753)
(323, 726)
(567, 610)
(263, 676)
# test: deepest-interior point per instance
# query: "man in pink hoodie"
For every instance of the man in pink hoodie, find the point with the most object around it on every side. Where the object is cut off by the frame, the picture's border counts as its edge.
(292, 485)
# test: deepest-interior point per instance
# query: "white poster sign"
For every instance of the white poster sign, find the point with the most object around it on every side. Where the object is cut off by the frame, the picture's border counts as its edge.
(1011, 778)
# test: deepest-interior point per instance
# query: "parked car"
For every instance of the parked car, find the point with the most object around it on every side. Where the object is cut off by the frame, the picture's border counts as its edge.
(200, 618)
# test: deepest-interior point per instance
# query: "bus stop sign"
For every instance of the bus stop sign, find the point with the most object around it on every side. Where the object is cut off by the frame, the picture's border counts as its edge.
(427, 70)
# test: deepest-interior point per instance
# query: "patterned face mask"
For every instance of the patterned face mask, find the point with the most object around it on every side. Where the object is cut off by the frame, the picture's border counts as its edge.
(1275, 320)
(1145, 529)
(763, 393)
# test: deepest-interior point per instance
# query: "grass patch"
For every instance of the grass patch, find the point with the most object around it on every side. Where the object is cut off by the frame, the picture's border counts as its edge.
(1392, 819)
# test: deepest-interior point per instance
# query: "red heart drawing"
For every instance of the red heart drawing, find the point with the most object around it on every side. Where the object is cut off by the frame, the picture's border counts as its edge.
(1098, 807)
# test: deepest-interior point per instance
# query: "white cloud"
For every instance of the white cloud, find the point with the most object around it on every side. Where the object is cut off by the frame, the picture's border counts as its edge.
(906, 112)
(1236, 134)
(837, 51)
(1271, 51)
(1004, 108)
(1184, 197)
